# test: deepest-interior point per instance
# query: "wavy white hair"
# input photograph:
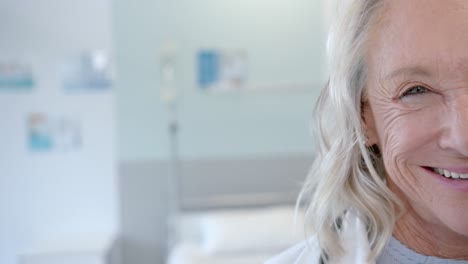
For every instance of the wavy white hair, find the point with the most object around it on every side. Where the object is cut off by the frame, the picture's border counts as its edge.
(347, 173)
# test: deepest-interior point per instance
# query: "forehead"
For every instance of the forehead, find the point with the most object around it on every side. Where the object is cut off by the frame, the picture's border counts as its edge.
(432, 34)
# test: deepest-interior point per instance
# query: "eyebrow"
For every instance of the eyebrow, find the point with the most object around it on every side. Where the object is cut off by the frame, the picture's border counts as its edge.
(412, 70)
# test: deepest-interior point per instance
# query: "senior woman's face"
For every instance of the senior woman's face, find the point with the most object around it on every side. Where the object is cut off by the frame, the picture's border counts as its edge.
(417, 110)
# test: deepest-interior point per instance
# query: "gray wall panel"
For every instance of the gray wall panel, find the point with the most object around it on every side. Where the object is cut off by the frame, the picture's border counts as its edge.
(143, 212)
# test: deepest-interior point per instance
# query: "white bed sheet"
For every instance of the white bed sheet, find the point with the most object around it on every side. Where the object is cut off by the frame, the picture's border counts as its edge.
(193, 254)
(243, 236)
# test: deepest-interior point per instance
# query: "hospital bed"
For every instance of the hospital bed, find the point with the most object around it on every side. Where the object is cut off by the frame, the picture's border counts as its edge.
(247, 224)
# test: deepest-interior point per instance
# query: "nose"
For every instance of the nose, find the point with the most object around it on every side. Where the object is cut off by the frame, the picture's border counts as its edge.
(455, 136)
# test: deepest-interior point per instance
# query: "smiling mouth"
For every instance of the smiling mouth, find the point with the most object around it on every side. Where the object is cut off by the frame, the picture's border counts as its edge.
(449, 175)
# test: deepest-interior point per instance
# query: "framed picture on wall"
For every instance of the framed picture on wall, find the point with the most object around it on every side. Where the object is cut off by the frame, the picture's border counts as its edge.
(16, 75)
(48, 133)
(89, 71)
(222, 70)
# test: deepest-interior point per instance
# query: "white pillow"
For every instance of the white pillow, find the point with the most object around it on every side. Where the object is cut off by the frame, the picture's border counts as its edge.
(251, 230)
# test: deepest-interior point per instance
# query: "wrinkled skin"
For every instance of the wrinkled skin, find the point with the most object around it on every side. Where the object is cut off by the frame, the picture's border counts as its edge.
(417, 114)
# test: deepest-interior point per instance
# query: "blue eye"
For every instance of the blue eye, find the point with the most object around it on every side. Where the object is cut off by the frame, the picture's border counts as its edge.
(415, 91)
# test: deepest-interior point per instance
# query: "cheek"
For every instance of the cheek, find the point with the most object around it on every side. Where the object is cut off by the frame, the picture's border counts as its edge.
(393, 132)
(398, 151)
(395, 153)
(406, 140)
(404, 126)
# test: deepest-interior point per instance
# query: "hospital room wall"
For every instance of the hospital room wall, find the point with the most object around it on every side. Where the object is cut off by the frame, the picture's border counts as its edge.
(284, 45)
(284, 40)
(55, 194)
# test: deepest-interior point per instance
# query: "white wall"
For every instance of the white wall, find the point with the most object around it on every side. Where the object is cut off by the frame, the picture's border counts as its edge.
(47, 196)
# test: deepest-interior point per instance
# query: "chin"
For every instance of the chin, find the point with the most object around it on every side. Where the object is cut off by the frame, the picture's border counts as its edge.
(455, 220)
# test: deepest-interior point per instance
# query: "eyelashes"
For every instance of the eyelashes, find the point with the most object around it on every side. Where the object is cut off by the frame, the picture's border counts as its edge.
(415, 90)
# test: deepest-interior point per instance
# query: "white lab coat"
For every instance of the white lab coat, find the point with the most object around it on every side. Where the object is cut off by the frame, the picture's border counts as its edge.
(353, 238)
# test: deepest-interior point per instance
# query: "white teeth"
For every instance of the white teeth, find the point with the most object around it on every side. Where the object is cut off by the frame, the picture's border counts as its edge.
(449, 174)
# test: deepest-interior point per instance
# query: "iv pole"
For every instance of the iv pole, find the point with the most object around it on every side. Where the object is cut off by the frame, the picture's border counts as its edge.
(169, 98)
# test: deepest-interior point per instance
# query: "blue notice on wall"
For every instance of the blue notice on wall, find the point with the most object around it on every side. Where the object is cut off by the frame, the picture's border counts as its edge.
(208, 68)
(15, 76)
(46, 133)
(90, 71)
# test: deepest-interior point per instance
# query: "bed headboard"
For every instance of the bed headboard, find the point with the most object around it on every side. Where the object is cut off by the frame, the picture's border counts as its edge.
(243, 182)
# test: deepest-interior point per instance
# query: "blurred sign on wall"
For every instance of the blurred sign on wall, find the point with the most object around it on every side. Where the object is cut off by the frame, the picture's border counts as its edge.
(16, 75)
(47, 133)
(221, 70)
(87, 72)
